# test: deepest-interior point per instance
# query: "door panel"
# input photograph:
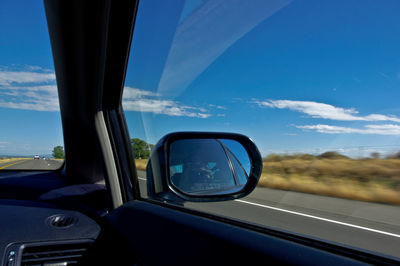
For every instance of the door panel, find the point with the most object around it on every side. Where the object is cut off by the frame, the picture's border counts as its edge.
(157, 235)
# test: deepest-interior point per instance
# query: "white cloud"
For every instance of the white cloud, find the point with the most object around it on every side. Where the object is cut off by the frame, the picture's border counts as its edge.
(29, 89)
(20, 77)
(32, 88)
(144, 101)
(325, 111)
(388, 129)
(36, 104)
(134, 93)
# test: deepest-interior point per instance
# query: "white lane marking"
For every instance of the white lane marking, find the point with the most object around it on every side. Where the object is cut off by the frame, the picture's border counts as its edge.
(314, 217)
(320, 218)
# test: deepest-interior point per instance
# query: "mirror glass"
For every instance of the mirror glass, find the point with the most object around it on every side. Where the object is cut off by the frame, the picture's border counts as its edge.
(208, 166)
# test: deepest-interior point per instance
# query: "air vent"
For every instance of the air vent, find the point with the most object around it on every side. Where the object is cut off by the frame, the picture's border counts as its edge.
(61, 220)
(65, 254)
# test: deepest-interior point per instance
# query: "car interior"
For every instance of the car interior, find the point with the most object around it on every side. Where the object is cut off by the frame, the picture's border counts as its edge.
(90, 212)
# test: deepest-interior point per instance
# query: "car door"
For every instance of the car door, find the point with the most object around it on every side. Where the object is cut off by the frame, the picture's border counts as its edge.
(91, 44)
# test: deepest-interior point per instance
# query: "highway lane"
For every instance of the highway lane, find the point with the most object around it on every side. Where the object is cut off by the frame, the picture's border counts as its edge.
(4, 165)
(369, 226)
(31, 164)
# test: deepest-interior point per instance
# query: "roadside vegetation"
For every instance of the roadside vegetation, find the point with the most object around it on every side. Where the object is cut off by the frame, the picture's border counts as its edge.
(10, 159)
(332, 174)
(141, 164)
(141, 149)
(371, 179)
(58, 152)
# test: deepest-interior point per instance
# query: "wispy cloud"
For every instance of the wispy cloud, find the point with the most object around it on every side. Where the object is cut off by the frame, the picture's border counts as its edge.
(134, 93)
(22, 77)
(388, 129)
(34, 88)
(144, 101)
(325, 111)
(30, 88)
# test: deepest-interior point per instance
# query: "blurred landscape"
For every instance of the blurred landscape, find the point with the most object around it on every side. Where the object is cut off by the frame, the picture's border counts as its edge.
(371, 179)
(332, 174)
(10, 159)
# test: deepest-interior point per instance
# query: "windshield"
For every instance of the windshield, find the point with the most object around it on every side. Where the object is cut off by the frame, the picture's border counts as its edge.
(315, 84)
(30, 124)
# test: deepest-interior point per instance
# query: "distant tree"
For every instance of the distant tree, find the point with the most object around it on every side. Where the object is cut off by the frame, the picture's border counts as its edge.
(58, 152)
(332, 155)
(375, 155)
(272, 157)
(394, 156)
(141, 149)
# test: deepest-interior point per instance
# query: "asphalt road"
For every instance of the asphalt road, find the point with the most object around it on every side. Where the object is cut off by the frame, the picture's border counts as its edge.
(31, 164)
(368, 226)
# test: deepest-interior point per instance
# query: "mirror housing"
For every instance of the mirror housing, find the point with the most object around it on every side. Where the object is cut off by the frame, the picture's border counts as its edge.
(161, 186)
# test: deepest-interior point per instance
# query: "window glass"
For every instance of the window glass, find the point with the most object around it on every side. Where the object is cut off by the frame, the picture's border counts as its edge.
(30, 134)
(314, 83)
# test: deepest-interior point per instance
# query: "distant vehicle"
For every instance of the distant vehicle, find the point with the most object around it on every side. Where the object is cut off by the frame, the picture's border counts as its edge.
(36, 157)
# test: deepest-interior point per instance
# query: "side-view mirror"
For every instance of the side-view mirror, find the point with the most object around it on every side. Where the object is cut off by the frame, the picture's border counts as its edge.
(203, 166)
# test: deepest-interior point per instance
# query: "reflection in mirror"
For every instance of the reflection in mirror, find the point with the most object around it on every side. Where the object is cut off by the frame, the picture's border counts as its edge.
(239, 152)
(208, 166)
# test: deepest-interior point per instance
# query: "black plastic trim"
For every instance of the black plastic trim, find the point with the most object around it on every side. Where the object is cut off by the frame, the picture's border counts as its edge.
(366, 256)
(121, 25)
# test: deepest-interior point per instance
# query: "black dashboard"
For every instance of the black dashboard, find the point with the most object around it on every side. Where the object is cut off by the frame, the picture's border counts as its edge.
(34, 235)
(46, 221)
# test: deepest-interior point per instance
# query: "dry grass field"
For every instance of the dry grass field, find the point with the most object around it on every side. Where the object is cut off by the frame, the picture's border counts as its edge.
(375, 180)
(6, 160)
(141, 164)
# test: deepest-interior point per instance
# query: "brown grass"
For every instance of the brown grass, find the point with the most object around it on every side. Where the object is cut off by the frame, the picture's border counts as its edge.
(373, 180)
(376, 180)
(141, 164)
(6, 160)
(341, 188)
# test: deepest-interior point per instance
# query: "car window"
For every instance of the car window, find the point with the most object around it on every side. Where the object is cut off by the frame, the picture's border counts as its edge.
(31, 133)
(315, 84)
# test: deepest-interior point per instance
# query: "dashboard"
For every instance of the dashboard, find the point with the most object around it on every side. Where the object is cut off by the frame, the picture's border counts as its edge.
(44, 235)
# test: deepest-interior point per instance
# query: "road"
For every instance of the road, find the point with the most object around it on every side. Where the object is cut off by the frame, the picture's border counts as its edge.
(369, 226)
(31, 164)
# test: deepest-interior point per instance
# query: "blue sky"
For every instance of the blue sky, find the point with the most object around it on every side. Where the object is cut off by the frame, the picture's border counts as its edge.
(295, 76)
(29, 117)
